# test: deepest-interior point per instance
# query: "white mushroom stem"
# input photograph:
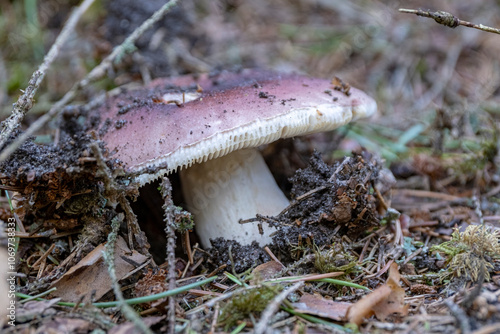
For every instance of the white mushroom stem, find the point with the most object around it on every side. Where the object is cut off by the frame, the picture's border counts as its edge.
(221, 191)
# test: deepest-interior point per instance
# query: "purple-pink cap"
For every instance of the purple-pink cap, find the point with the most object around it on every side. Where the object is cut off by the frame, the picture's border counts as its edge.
(176, 122)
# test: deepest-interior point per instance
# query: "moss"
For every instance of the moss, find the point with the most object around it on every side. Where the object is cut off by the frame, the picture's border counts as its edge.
(249, 301)
(334, 259)
(467, 250)
(183, 220)
(482, 154)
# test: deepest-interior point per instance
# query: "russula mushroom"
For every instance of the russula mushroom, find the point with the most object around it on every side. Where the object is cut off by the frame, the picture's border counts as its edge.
(209, 128)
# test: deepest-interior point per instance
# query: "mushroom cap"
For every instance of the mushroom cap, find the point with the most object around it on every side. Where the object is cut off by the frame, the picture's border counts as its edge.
(154, 133)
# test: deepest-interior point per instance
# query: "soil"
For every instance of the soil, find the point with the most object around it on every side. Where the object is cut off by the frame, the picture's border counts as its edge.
(438, 96)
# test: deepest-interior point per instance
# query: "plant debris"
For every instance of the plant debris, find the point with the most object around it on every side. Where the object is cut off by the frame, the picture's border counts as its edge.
(431, 225)
(89, 277)
(383, 301)
(327, 200)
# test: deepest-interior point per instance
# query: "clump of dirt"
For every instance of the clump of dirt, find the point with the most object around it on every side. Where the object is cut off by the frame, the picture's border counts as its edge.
(55, 180)
(328, 201)
(243, 257)
(57, 188)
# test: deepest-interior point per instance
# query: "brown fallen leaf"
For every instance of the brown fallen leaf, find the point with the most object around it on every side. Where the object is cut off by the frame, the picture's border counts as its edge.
(322, 307)
(66, 325)
(266, 271)
(36, 309)
(129, 328)
(383, 301)
(91, 273)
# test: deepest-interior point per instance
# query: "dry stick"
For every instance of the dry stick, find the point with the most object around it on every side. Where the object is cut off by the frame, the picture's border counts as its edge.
(109, 255)
(97, 73)
(41, 269)
(365, 248)
(459, 315)
(25, 101)
(272, 256)
(189, 252)
(273, 307)
(169, 209)
(115, 194)
(214, 320)
(425, 194)
(134, 230)
(449, 20)
(110, 189)
(44, 255)
(188, 265)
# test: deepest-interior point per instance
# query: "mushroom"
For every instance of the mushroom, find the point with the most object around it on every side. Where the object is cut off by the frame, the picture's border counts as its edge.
(209, 127)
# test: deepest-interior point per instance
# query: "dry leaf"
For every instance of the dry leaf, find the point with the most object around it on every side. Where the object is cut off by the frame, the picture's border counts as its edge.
(266, 270)
(383, 301)
(65, 325)
(36, 309)
(130, 328)
(322, 307)
(91, 273)
(152, 283)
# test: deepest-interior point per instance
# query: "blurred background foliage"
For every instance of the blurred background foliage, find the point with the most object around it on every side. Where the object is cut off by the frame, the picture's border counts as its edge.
(437, 88)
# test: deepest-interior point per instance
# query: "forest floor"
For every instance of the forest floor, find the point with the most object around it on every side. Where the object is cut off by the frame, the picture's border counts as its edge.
(421, 248)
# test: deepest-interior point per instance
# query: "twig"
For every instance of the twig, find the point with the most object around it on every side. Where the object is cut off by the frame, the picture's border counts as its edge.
(187, 243)
(272, 256)
(459, 315)
(44, 256)
(104, 171)
(380, 198)
(109, 255)
(96, 74)
(169, 209)
(476, 291)
(424, 194)
(365, 247)
(214, 320)
(449, 19)
(134, 230)
(116, 194)
(273, 307)
(25, 101)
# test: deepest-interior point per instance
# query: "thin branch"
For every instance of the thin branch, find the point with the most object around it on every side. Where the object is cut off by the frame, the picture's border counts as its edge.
(449, 19)
(273, 307)
(460, 316)
(25, 101)
(109, 255)
(116, 194)
(170, 209)
(97, 73)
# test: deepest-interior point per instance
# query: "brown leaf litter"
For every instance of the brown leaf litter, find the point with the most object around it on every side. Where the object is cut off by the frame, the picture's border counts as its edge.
(382, 302)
